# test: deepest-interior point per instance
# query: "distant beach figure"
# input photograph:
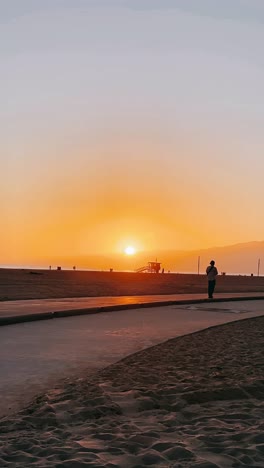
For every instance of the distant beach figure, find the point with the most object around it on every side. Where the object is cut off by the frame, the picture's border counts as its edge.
(212, 273)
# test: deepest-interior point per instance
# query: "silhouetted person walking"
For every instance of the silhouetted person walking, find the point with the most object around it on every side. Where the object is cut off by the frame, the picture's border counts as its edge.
(212, 273)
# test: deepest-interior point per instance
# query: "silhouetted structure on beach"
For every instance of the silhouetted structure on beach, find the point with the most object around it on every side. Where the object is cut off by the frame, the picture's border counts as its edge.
(152, 267)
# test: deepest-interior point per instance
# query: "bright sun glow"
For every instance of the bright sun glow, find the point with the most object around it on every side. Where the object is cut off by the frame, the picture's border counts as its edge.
(130, 250)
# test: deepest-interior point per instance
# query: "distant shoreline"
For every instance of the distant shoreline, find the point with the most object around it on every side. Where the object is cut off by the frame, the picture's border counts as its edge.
(94, 270)
(44, 284)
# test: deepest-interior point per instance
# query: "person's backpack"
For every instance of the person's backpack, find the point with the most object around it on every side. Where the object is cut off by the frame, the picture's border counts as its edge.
(210, 270)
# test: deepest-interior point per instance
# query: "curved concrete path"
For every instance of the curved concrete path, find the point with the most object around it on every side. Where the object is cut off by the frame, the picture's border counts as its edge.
(40, 309)
(35, 356)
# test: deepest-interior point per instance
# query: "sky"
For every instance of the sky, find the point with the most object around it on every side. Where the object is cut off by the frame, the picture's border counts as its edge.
(129, 122)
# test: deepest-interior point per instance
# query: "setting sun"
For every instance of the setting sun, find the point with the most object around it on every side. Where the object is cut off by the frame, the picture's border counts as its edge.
(130, 250)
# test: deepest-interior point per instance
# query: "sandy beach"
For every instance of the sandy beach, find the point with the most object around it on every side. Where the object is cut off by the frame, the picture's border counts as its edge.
(43, 284)
(193, 401)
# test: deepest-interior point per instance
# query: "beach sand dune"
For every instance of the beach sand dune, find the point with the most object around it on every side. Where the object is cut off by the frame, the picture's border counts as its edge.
(193, 401)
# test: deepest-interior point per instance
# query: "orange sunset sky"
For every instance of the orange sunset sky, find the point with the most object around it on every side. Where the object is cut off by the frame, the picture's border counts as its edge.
(129, 123)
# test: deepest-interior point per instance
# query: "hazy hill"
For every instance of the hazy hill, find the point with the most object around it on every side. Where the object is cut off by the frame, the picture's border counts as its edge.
(238, 259)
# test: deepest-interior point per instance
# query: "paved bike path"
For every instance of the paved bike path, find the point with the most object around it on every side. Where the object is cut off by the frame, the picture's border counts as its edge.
(41, 309)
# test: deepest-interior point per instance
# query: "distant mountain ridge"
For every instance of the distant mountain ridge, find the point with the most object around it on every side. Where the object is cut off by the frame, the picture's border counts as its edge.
(241, 258)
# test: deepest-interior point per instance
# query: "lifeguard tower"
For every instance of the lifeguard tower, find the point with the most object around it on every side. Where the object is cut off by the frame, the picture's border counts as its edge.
(154, 267)
(151, 267)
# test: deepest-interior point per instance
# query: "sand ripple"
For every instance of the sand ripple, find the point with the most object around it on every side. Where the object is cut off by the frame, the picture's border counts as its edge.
(194, 401)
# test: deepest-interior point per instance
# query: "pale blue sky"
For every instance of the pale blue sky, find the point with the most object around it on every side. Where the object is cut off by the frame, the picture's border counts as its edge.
(90, 87)
(245, 10)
